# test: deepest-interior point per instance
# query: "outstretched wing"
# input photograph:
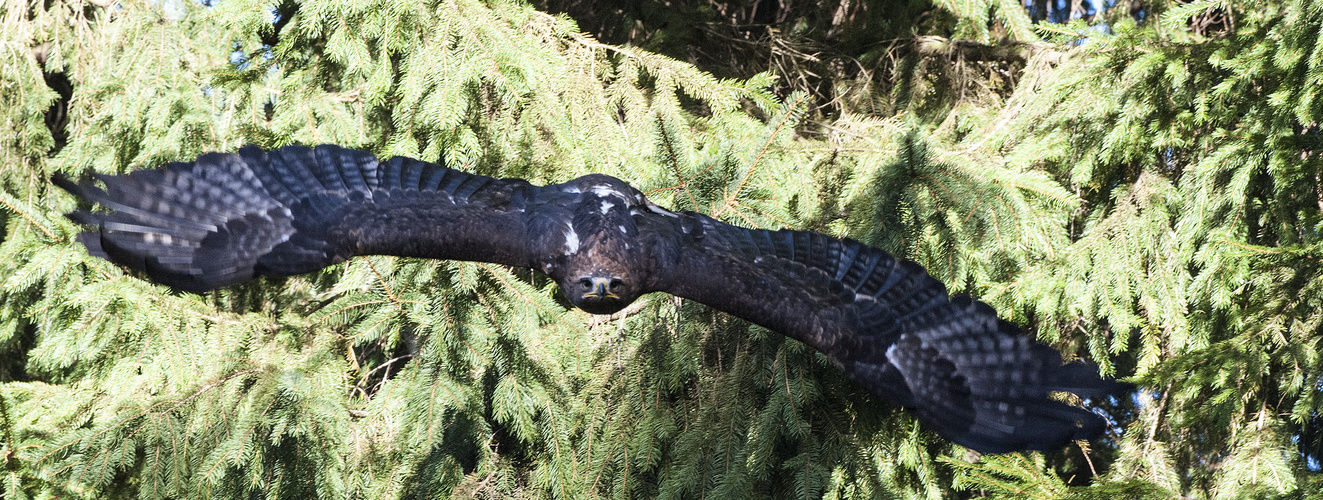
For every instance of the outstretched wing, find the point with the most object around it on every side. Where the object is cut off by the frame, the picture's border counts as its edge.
(225, 218)
(968, 375)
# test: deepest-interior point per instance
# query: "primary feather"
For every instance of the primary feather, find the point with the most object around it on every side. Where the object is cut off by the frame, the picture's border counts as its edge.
(225, 218)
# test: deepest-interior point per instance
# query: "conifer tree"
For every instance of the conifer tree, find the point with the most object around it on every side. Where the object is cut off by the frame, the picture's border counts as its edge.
(1143, 191)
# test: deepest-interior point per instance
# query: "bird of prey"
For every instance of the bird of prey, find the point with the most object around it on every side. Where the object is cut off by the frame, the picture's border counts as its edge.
(225, 218)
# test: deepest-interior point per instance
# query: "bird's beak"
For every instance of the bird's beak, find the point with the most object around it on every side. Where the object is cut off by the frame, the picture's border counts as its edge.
(601, 287)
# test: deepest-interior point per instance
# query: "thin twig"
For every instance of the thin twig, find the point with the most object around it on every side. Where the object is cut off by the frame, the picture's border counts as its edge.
(748, 173)
(29, 218)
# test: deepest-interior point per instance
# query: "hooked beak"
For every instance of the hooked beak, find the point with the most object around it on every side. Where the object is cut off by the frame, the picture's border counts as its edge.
(597, 288)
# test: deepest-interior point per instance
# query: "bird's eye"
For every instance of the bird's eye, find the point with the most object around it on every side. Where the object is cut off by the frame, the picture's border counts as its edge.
(586, 283)
(616, 284)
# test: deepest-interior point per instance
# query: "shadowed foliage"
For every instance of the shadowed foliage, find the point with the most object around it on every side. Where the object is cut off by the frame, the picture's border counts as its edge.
(1140, 187)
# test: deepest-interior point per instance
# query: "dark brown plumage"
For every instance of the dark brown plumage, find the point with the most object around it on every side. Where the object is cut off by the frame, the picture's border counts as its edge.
(225, 218)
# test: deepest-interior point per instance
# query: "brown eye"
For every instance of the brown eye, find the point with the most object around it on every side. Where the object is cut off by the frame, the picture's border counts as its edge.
(616, 284)
(586, 283)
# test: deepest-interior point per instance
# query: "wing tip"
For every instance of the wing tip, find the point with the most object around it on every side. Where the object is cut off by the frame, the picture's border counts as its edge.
(62, 181)
(1048, 426)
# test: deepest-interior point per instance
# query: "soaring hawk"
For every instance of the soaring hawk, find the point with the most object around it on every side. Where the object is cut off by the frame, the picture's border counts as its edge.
(225, 218)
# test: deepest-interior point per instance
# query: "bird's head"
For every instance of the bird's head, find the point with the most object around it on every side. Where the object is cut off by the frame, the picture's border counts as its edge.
(600, 291)
(602, 266)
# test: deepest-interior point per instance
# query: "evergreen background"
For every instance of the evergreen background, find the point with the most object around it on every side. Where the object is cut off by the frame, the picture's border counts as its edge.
(1138, 185)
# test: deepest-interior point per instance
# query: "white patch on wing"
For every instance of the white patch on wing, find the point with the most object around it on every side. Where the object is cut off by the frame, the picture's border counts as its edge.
(158, 238)
(607, 206)
(623, 230)
(604, 190)
(571, 240)
(657, 209)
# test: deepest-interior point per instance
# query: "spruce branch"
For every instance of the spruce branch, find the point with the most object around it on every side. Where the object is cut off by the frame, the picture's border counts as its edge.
(11, 447)
(26, 213)
(788, 118)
